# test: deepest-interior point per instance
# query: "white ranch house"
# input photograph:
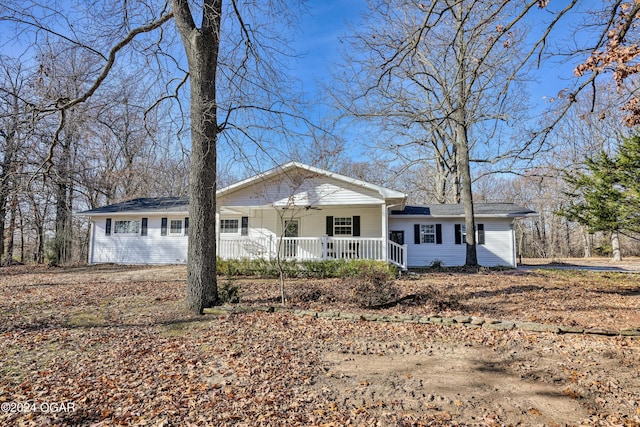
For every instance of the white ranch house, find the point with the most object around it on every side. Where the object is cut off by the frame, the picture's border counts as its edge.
(300, 212)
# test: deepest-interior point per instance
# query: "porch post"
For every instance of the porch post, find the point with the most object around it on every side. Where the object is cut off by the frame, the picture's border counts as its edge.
(385, 233)
(324, 246)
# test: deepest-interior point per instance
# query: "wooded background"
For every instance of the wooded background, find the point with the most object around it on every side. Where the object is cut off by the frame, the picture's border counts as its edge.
(422, 88)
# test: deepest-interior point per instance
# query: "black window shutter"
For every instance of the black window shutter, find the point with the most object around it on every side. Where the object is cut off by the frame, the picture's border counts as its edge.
(244, 231)
(186, 226)
(329, 226)
(145, 224)
(480, 234)
(416, 234)
(458, 229)
(439, 234)
(107, 227)
(163, 227)
(356, 226)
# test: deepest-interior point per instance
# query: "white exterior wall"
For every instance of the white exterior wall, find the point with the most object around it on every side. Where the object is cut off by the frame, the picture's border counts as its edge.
(498, 249)
(267, 222)
(136, 249)
(314, 191)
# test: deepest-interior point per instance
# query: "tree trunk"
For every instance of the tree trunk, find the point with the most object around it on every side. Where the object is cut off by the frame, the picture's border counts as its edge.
(462, 141)
(586, 241)
(201, 46)
(615, 246)
(63, 230)
(467, 201)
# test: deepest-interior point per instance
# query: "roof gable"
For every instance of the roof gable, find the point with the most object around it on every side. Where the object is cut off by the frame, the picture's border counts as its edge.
(299, 184)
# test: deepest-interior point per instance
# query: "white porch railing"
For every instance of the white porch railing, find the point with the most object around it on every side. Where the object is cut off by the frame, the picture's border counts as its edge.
(312, 248)
(397, 254)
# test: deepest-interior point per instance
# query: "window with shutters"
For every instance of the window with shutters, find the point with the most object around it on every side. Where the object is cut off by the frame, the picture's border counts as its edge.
(229, 226)
(427, 233)
(342, 226)
(175, 227)
(124, 227)
(461, 234)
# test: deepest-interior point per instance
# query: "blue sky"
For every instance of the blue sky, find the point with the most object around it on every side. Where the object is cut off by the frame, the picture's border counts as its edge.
(320, 32)
(319, 44)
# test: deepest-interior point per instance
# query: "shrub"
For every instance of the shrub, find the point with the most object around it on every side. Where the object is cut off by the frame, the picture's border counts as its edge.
(437, 264)
(372, 284)
(229, 292)
(268, 268)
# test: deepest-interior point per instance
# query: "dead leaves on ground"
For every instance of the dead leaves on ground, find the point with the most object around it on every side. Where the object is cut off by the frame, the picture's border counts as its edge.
(125, 353)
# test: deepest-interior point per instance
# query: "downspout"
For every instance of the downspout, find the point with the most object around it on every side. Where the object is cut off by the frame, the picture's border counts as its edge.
(385, 232)
(514, 246)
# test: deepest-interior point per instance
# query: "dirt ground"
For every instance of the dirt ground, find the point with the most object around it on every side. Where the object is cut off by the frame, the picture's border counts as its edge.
(115, 342)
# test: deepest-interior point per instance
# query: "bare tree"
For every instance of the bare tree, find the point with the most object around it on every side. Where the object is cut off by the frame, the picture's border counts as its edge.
(11, 131)
(444, 81)
(233, 57)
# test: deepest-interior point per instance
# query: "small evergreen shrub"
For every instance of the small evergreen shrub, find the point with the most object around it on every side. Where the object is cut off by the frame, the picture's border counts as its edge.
(229, 293)
(437, 264)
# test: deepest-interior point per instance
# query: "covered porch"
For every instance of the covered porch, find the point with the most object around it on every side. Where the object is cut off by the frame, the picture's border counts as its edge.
(312, 248)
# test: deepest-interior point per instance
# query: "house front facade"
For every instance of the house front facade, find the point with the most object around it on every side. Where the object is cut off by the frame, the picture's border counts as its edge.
(301, 212)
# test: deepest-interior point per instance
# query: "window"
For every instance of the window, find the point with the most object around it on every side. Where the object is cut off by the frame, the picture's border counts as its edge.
(461, 234)
(228, 226)
(127, 227)
(175, 226)
(427, 233)
(342, 226)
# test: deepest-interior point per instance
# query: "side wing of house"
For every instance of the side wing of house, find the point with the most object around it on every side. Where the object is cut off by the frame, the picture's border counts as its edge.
(132, 239)
(443, 240)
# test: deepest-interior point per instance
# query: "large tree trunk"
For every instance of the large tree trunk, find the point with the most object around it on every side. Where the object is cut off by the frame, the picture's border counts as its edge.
(462, 142)
(467, 198)
(202, 47)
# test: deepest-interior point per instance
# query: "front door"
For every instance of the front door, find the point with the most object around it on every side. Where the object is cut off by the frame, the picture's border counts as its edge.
(291, 229)
(397, 237)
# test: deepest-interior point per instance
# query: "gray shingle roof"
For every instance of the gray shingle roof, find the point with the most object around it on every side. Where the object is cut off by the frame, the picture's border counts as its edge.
(487, 209)
(144, 204)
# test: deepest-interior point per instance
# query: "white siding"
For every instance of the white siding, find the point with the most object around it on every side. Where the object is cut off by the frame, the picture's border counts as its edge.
(123, 249)
(498, 249)
(267, 222)
(315, 191)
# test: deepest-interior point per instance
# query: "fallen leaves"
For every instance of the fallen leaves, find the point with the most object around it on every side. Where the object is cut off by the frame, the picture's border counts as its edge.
(125, 353)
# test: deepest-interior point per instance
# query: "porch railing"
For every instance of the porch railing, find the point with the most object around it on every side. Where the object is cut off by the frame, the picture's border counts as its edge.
(312, 248)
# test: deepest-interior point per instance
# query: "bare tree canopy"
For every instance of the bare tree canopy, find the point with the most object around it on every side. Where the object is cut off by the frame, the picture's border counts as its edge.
(234, 56)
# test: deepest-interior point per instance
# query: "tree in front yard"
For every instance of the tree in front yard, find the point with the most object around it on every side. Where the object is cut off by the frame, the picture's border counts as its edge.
(606, 196)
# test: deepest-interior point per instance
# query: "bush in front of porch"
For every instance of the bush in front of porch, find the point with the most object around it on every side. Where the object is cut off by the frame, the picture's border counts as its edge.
(324, 269)
(370, 283)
